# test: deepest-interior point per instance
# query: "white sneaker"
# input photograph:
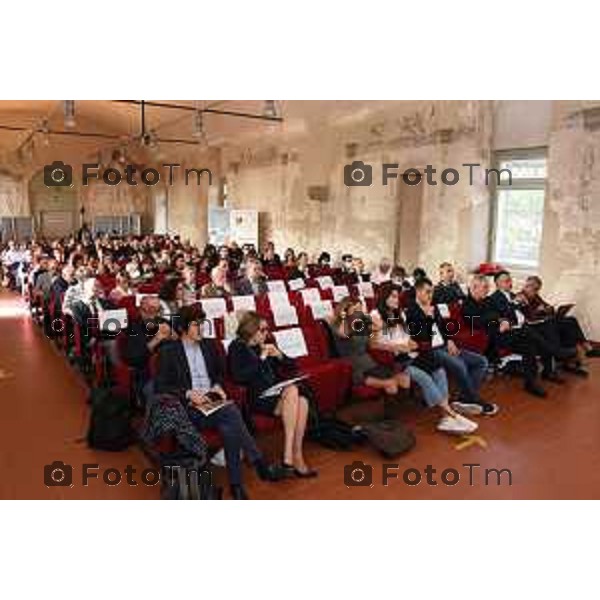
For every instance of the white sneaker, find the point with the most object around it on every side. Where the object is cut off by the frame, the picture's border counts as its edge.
(219, 458)
(456, 425)
(465, 408)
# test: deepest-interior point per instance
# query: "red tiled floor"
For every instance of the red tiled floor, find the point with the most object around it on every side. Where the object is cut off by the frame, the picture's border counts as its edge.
(551, 446)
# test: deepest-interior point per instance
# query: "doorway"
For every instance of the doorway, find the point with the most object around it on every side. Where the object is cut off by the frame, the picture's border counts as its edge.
(408, 229)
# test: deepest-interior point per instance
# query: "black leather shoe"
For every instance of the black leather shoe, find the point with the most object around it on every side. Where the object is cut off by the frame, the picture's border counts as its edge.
(553, 378)
(535, 390)
(308, 474)
(238, 492)
(566, 353)
(267, 472)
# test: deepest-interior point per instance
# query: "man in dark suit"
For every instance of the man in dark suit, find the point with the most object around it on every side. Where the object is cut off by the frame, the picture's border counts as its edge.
(480, 313)
(511, 314)
(191, 369)
(254, 281)
(568, 329)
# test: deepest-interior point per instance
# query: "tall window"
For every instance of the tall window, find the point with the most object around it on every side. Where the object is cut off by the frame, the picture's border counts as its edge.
(519, 208)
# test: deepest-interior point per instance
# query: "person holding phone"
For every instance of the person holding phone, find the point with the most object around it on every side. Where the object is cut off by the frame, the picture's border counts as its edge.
(191, 369)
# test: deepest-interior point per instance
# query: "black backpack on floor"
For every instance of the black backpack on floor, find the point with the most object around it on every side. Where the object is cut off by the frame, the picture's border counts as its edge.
(110, 420)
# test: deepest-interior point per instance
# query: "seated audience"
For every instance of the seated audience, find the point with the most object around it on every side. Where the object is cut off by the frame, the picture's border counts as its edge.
(75, 291)
(145, 333)
(133, 268)
(289, 258)
(383, 273)
(45, 279)
(508, 306)
(427, 327)
(390, 334)
(191, 368)
(254, 281)
(171, 296)
(350, 328)
(399, 277)
(218, 287)
(300, 271)
(258, 365)
(448, 290)
(269, 257)
(324, 260)
(121, 289)
(569, 330)
(190, 292)
(482, 314)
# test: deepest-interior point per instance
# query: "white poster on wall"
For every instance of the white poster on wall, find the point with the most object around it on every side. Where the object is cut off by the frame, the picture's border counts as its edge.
(243, 226)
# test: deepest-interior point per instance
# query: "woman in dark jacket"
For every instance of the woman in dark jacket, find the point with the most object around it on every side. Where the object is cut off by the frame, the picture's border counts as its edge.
(256, 364)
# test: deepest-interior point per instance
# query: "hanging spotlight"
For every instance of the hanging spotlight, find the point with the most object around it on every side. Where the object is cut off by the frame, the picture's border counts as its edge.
(44, 129)
(198, 130)
(270, 108)
(69, 109)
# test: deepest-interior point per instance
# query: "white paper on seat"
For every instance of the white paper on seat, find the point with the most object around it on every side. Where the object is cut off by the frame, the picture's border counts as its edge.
(277, 286)
(113, 320)
(325, 282)
(277, 299)
(520, 319)
(138, 297)
(340, 292)
(291, 342)
(276, 389)
(310, 295)
(214, 307)
(296, 284)
(243, 303)
(285, 315)
(437, 338)
(365, 289)
(322, 310)
(444, 311)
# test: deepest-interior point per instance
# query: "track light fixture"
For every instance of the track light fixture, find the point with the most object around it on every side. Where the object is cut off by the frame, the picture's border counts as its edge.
(270, 109)
(198, 126)
(69, 109)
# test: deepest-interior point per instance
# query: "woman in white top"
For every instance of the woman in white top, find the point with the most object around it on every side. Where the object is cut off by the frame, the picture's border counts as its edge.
(390, 334)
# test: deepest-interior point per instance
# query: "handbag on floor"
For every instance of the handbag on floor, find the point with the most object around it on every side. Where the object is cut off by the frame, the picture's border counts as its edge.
(336, 434)
(390, 437)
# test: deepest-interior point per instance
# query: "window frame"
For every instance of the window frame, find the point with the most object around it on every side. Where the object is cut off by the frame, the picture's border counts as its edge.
(500, 156)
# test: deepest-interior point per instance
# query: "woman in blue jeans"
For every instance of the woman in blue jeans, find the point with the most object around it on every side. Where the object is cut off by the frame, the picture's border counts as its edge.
(390, 334)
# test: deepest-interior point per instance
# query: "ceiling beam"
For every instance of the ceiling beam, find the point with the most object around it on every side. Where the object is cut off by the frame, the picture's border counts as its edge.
(216, 111)
(91, 134)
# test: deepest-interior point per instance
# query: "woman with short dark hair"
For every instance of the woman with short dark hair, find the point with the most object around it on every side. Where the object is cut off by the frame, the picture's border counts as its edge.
(257, 365)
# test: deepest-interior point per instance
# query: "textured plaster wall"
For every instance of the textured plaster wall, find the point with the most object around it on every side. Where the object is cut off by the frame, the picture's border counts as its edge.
(570, 259)
(364, 220)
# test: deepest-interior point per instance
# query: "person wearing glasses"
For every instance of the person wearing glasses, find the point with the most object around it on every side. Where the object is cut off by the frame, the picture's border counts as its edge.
(257, 364)
(192, 369)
